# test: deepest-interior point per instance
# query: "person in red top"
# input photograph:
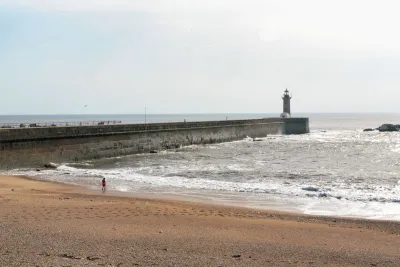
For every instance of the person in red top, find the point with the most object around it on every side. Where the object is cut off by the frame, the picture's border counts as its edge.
(103, 183)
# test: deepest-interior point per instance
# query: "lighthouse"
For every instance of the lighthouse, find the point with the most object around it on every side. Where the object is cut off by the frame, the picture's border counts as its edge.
(286, 104)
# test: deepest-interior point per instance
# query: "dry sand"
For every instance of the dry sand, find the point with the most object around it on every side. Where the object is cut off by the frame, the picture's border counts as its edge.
(50, 224)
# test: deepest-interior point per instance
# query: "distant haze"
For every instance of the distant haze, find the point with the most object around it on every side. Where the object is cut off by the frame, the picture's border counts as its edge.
(187, 56)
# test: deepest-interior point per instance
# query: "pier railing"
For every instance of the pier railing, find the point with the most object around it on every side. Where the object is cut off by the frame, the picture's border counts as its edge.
(58, 124)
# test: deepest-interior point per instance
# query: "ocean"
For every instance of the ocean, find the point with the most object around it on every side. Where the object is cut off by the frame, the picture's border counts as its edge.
(336, 170)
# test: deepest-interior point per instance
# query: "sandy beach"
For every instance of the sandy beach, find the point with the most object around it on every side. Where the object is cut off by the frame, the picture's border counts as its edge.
(51, 224)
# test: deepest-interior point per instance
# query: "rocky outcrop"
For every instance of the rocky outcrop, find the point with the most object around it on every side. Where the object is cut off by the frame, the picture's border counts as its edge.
(389, 127)
(369, 130)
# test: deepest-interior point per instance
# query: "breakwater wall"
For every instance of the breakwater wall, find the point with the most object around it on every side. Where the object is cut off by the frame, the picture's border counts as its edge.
(296, 125)
(33, 147)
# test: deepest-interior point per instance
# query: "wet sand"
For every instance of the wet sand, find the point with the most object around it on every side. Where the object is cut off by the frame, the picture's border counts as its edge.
(50, 224)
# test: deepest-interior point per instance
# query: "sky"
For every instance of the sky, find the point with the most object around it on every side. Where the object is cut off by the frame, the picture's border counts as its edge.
(198, 56)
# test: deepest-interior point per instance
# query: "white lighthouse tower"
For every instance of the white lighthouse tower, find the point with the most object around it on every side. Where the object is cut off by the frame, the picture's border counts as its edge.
(286, 104)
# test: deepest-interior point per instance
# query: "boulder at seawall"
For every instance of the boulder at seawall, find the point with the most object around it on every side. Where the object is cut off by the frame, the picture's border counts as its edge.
(50, 165)
(389, 127)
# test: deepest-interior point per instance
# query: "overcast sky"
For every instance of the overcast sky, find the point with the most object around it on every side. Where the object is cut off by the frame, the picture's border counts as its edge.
(198, 56)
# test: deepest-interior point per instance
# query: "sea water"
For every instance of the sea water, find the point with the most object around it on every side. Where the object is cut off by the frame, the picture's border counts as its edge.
(337, 169)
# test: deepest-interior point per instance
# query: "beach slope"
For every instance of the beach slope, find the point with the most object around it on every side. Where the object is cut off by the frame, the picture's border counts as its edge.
(51, 224)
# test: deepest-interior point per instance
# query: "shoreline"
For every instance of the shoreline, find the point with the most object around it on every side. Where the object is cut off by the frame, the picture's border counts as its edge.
(269, 204)
(63, 225)
(195, 201)
(198, 201)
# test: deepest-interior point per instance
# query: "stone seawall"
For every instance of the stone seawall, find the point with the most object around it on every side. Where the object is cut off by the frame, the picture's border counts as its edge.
(33, 147)
(296, 125)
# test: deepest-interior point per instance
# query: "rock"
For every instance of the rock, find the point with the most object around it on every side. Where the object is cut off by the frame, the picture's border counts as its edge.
(257, 139)
(368, 130)
(311, 188)
(69, 256)
(153, 151)
(389, 127)
(38, 170)
(236, 256)
(50, 165)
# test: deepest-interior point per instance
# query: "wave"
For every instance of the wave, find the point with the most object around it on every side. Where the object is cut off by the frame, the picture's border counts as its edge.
(132, 179)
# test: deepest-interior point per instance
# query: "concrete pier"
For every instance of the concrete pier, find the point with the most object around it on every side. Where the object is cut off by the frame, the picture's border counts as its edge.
(33, 147)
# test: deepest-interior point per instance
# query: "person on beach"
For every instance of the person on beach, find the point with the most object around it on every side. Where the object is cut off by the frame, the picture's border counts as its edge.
(103, 183)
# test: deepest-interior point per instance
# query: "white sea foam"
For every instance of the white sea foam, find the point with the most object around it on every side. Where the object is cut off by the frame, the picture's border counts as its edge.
(132, 177)
(345, 208)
